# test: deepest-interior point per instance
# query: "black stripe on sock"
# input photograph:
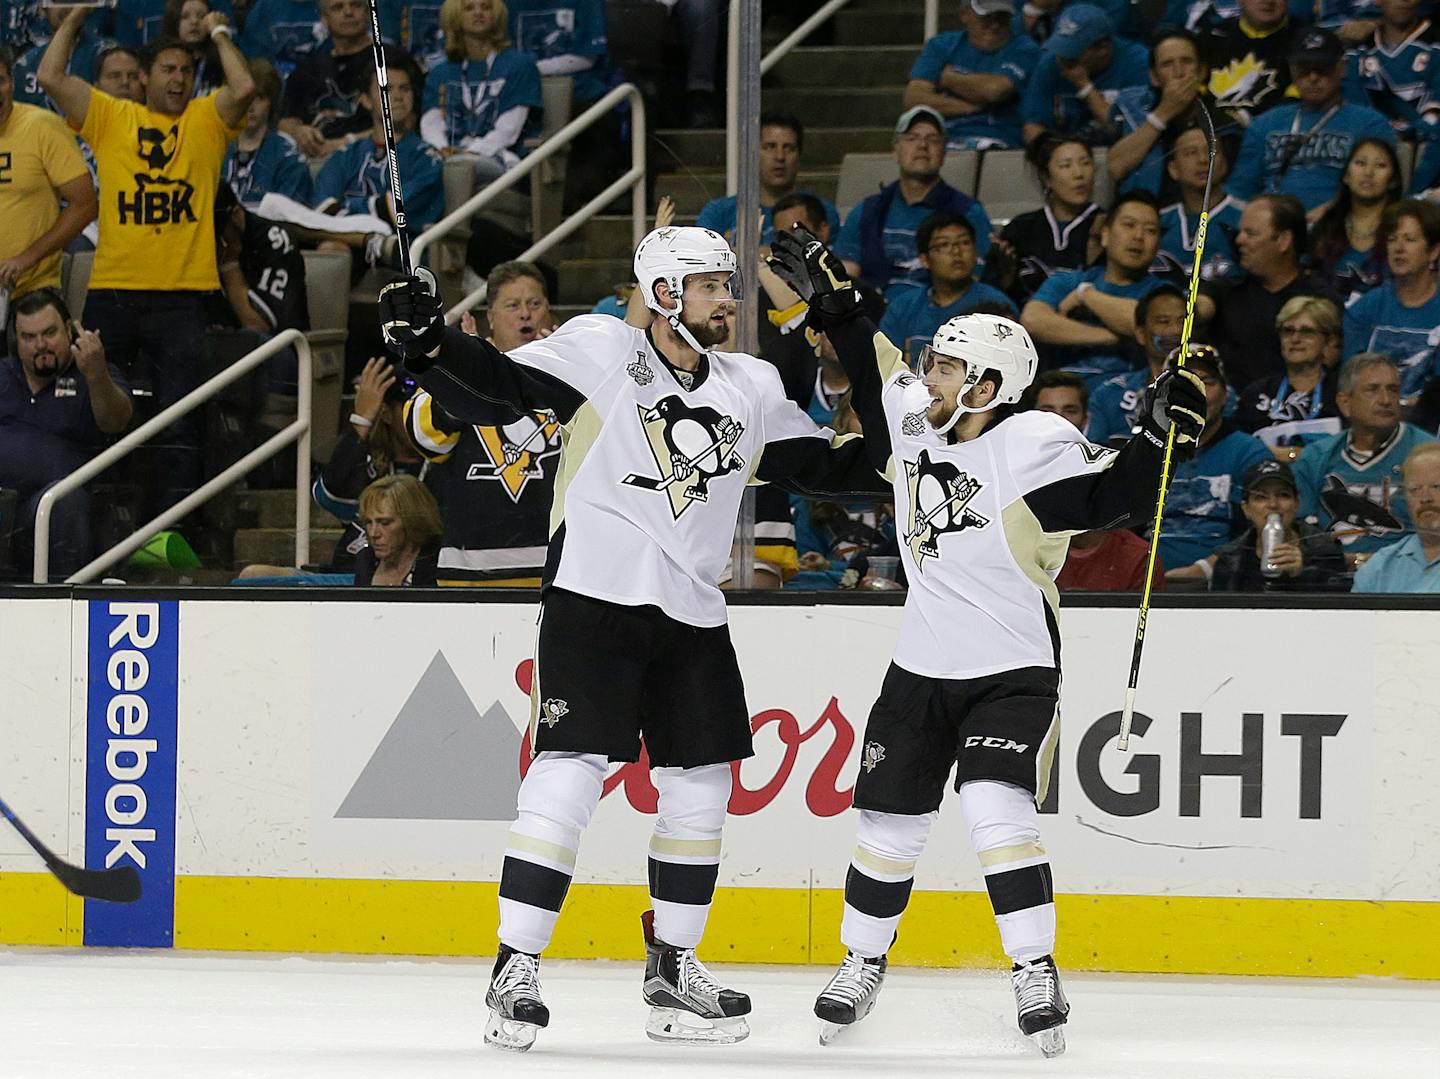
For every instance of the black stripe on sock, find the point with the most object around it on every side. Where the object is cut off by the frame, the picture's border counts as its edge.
(877, 898)
(679, 882)
(1020, 889)
(534, 885)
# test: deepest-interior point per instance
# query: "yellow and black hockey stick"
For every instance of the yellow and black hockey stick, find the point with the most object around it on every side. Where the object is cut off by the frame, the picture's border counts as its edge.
(1129, 713)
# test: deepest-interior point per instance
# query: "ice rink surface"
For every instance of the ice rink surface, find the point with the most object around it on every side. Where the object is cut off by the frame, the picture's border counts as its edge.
(197, 1015)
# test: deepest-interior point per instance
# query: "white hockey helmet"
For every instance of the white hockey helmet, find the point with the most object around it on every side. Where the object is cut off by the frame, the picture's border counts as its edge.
(674, 253)
(985, 343)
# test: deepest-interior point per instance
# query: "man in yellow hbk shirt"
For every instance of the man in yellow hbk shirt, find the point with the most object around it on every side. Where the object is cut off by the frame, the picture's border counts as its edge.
(159, 167)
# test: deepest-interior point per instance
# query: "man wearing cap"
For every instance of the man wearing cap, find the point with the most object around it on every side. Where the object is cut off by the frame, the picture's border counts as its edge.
(1249, 58)
(974, 77)
(1308, 559)
(1083, 71)
(1412, 564)
(1301, 149)
(1200, 505)
(877, 241)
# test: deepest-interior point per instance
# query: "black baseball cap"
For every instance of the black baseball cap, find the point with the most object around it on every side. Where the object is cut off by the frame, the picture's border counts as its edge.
(1317, 47)
(1199, 355)
(1261, 471)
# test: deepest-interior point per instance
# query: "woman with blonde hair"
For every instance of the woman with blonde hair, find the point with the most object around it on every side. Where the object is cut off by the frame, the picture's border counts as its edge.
(484, 100)
(1290, 408)
(402, 524)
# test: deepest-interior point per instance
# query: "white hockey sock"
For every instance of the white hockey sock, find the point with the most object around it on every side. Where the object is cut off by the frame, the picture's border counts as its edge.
(557, 797)
(685, 849)
(882, 871)
(1005, 831)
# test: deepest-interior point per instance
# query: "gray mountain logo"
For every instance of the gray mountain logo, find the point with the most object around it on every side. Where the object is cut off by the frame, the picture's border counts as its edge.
(441, 759)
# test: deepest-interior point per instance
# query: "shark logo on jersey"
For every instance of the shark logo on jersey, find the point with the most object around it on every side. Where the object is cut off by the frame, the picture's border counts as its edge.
(913, 424)
(640, 370)
(692, 445)
(1358, 509)
(552, 711)
(517, 451)
(940, 497)
(872, 755)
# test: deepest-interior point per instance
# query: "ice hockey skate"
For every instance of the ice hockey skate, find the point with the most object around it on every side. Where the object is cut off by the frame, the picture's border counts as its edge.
(686, 1003)
(850, 995)
(1041, 1004)
(516, 1010)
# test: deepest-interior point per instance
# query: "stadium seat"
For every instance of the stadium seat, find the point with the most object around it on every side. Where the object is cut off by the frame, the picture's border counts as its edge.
(861, 175)
(1008, 187)
(327, 288)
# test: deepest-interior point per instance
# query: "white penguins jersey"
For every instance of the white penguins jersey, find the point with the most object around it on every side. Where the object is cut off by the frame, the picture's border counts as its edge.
(984, 525)
(654, 460)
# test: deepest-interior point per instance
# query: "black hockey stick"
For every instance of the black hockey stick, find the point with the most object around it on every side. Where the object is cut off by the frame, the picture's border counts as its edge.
(397, 195)
(120, 885)
(1129, 713)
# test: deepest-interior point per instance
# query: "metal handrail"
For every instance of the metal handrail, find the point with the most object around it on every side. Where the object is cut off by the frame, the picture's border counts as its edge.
(633, 179)
(297, 432)
(932, 18)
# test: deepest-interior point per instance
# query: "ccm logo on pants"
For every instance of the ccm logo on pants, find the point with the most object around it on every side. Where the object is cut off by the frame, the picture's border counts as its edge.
(990, 741)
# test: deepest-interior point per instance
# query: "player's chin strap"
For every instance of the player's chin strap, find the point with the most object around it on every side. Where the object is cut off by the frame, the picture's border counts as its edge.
(673, 317)
(972, 379)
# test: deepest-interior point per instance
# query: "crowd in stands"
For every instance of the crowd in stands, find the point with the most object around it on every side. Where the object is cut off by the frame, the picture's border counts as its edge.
(197, 147)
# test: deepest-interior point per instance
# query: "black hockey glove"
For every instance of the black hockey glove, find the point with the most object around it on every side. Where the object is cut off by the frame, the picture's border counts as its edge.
(815, 273)
(1178, 397)
(411, 321)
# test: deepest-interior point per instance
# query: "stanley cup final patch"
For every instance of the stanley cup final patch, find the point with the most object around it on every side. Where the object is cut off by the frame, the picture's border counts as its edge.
(692, 445)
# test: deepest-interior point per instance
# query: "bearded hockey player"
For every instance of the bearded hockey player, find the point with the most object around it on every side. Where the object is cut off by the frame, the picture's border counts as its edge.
(986, 501)
(660, 435)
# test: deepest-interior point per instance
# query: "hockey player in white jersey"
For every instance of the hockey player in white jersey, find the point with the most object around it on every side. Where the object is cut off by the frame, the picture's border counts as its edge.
(661, 434)
(986, 502)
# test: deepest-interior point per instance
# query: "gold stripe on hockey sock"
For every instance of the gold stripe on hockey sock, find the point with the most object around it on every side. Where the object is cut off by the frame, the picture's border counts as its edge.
(685, 848)
(1018, 852)
(890, 867)
(551, 852)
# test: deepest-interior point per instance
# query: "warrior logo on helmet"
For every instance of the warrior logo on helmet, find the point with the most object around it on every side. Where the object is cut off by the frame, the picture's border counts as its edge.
(692, 445)
(940, 496)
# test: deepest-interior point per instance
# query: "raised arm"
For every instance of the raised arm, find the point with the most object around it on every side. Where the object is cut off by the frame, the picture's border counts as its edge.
(70, 92)
(235, 96)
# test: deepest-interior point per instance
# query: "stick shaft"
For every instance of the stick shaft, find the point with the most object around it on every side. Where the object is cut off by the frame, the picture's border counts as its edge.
(1165, 466)
(397, 196)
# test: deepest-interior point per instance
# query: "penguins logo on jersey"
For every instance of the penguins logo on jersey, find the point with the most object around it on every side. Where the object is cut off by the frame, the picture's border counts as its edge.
(1002, 331)
(940, 497)
(517, 451)
(552, 710)
(692, 445)
(872, 755)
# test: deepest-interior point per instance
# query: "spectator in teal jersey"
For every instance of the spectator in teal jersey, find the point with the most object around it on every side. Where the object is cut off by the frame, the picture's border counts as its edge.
(1115, 405)
(1084, 70)
(782, 141)
(1189, 166)
(82, 61)
(1085, 319)
(1413, 563)
(262, 159)
(1351, 483)
(1201, 506)
(1401, 318)
(877, 241)
(1149, 117)
(946, 246)
(1345, 245)
(485, 98)
(974, 77)
(1301, 149)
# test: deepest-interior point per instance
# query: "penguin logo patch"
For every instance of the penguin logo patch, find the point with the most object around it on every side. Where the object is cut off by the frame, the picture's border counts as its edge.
(691, 446)
(517, 451)
(552, 711)
(1002, 331)
(640, 371)
(940, 495)
(872, 755)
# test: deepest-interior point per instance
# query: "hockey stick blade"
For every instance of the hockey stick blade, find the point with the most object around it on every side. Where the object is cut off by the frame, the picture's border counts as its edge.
(119, 885)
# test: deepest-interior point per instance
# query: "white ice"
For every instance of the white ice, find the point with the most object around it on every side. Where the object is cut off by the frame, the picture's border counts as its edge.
(111, 1015)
